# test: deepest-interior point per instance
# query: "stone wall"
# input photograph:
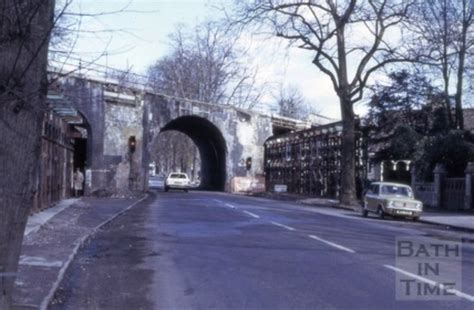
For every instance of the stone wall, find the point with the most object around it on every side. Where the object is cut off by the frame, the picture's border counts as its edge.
(244, 133)
(123, 121)
(114, 114)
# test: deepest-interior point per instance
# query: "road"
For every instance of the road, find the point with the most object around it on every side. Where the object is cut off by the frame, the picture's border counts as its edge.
(205, 250)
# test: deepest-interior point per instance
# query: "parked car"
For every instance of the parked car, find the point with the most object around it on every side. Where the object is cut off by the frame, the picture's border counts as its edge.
(177, 180)
(195, 183)
(392, 199)
(156, 181)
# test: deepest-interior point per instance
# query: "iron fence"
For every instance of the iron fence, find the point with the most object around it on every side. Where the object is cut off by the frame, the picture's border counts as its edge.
(308, 162)
(426, 193)
(454, 193)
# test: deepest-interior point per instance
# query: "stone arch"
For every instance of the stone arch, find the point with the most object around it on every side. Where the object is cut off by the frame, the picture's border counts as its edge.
(212, 148)
(85, 124)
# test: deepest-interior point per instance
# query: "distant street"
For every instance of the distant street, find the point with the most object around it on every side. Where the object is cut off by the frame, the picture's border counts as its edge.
(204, 250)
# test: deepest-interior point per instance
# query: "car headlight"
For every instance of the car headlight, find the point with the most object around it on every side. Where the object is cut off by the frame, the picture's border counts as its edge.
(390, 204)
(419, 206)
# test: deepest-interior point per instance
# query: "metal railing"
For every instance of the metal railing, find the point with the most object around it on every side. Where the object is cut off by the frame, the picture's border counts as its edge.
(454, 193)
(426, 193)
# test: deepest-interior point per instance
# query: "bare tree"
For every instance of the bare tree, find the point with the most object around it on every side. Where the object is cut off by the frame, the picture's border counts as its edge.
(72, 25)
(205, 65)
(349, 43)
(443, 40)
(29, 31)
(174, 151)
(25, 28)
(291, 103)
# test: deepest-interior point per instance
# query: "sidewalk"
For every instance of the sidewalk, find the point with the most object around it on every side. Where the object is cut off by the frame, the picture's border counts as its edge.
(52, 239)
(457, 220)
(37, 220)
(454, 219)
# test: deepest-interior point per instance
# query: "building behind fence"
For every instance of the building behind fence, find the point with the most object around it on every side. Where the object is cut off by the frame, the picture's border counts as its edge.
(309, 161)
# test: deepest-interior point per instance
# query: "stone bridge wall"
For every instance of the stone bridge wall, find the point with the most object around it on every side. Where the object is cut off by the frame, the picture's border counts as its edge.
(244, 133)
(116, 113)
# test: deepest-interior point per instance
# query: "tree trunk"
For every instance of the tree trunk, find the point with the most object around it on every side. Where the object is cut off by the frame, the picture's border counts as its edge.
(347, 179)
(458, 95)
(460, 74)
(447, 101)
(173, 165)
(348, 188)
(24, 38)
(445, 63)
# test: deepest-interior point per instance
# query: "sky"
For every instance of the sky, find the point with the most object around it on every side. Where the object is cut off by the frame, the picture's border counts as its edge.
(137, 37)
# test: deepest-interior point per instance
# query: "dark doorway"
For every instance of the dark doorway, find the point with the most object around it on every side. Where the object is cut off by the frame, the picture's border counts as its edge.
(79, 133)
(80, 153)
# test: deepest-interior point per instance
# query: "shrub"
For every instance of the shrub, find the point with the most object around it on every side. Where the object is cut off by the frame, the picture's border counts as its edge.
(454, 149)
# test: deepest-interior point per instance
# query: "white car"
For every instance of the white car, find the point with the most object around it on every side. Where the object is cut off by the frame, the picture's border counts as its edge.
(177, 180)
(392, 199)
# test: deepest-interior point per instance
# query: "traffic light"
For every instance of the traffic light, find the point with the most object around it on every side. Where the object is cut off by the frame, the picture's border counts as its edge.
(248, 163)
(132, 143)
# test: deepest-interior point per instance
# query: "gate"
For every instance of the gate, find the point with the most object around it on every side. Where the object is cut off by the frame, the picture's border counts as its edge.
(453, 194)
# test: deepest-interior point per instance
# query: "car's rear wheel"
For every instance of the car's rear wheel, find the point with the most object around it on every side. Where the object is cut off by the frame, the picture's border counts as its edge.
(166, 188)
(415, 218)
(185, 190)
(380, 213)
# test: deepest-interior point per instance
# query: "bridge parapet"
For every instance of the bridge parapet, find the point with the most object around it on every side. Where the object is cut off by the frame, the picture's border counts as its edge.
(286, 124)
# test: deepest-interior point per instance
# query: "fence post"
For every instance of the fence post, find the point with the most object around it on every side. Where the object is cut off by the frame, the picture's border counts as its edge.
(439, 175)
(469, 199)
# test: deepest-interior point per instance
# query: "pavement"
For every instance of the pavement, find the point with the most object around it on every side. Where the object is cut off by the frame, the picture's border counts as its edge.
(461, 220)
(37, 220)
(52, 238)
(451, 220)
(206, 250)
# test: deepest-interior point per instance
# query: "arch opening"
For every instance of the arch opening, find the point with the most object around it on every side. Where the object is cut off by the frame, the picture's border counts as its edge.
(174, 151)
(212, 149)
(81, 139)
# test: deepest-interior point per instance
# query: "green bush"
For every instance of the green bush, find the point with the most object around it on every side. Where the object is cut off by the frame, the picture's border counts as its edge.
(454, 149)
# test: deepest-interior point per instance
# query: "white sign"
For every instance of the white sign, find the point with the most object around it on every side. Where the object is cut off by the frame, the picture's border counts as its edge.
(88, 178)
(280, 188)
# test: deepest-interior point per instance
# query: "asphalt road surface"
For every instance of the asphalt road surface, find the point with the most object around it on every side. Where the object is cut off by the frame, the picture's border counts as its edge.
(205, 250)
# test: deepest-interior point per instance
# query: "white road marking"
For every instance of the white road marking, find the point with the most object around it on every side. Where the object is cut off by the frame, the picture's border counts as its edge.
(431, 282)
(39, 261)
(337, 246)
(230, 206)
(252, 214)
(284, 226)
(185, 199)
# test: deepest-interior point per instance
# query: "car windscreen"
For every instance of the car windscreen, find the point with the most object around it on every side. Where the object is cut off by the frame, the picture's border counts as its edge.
(178, 176)
(395, 190)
